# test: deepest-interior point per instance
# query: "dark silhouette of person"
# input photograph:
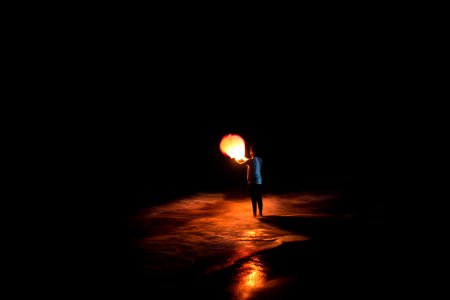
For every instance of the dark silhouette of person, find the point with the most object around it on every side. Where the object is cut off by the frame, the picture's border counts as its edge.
(254, 179)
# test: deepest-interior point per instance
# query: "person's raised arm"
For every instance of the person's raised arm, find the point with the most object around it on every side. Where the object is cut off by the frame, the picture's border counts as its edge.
(241, 160)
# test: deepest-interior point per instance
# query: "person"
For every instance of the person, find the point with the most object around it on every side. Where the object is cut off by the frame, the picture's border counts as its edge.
(254, 179)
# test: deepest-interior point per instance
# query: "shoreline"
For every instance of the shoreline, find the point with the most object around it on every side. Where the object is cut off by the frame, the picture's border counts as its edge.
(343, 256)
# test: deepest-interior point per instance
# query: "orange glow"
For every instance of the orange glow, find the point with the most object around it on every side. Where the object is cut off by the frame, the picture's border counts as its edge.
(233, 146)
(250, 278)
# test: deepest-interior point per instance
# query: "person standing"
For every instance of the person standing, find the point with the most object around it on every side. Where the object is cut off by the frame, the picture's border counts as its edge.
(254, 179)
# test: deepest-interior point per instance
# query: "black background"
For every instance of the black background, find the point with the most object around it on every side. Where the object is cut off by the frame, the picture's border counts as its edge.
(138, 118)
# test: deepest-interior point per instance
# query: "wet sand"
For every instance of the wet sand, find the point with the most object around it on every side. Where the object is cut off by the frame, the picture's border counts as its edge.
(344, 255)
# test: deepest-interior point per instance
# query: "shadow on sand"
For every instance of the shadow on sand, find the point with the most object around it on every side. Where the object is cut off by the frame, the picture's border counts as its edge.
(315, 227)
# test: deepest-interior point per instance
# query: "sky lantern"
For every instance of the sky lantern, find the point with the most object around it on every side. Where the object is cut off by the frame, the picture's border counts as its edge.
(233, 145)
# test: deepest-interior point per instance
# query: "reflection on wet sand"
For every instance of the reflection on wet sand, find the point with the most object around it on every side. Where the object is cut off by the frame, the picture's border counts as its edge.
(250, 277)
(189, 239)
(208, 231)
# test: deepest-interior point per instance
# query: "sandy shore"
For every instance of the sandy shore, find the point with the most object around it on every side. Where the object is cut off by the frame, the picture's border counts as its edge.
(344, 257)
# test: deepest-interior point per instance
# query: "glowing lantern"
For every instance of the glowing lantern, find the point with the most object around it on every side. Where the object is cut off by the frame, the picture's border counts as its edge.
(233, 146)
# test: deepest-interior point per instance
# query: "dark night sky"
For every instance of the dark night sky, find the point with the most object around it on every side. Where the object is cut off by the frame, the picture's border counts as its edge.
(158, 153)
(321, 118)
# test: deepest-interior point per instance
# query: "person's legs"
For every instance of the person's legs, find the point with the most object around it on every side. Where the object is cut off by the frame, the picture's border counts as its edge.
(254, 206)
(260, 205)
(259, 199)
(253, 197)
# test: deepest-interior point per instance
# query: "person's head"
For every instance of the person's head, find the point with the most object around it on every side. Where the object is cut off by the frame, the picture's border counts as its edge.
(253, 151)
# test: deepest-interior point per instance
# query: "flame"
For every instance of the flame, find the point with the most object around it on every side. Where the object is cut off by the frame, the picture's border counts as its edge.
(233, 146)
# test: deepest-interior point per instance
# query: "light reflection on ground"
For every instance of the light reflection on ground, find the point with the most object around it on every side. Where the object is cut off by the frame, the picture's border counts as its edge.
(208, 227)
(250, 277)
(208, 232)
